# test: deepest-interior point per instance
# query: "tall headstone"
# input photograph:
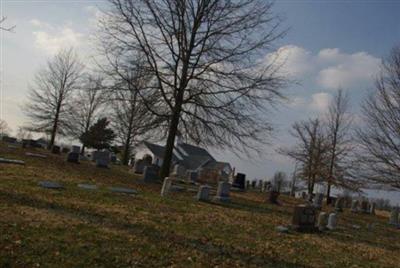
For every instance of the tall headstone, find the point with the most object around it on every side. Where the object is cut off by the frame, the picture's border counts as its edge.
(372, 208)
(322, 221)
(223, 191)
(247, 184)
(239, 181)
(204, 193)
(166, 186)
(73, 157)
(332, 221)
(339, 204)
(260, 184)
(354, 206)
(76, 149)
(150, 174)
(364, 206)
(103, 159)
(394, 216)
(138, 166)
(253, 184)
(304, 217)
(318, 199)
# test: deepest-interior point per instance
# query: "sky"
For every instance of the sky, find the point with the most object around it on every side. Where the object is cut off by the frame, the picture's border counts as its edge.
(329, 44)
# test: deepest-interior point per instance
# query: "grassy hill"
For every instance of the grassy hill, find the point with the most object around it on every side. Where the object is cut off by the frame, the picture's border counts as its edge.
(81, 228)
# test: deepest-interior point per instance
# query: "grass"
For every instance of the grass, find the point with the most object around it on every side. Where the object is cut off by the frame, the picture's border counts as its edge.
(81, 228)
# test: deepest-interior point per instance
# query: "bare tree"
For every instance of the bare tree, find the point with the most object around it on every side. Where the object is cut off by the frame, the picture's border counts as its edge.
(85, 107)
(23, 133)
(52, 90)
(4, 128)
(208, 83)
(9, 28)
(310, 151)
(380, 136)
(339, 138)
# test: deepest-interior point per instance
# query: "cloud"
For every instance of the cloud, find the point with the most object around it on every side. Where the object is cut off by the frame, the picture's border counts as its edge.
(62, 38)
(349, 70)
(320, 101)
(328, 69)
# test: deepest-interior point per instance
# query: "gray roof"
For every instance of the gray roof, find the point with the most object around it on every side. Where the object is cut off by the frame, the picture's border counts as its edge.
(192, 156)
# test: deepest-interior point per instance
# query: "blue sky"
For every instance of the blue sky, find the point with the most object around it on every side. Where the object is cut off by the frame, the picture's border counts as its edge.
(330, 44)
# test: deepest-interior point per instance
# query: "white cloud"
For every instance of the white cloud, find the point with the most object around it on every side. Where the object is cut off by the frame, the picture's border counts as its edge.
(320, 101)
(350, 70)
(329, 68)
(52, 40)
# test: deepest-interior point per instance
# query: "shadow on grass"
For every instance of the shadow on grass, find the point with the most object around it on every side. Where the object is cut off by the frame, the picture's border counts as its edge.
(154, 236)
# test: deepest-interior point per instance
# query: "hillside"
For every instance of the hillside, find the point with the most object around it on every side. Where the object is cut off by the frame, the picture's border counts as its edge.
(82, 228)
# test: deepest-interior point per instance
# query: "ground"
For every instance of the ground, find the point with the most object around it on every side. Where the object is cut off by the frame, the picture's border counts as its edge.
(82, 228)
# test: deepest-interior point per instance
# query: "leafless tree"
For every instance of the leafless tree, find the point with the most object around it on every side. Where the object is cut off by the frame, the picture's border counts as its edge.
(85, 106)
(52, 90)
(23, 133)
(380, 136)
(310, 151)
(130, 118)
(9, 28)
(338, 127)
(279, 181)
(205, 56)
(4, 128)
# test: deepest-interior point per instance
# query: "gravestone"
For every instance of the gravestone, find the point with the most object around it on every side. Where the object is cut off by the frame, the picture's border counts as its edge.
(273, 197)
(364, 206)
(253, 184)
(204, 193)
(56, 149)
(339, 204)
(223, 191)
(322, 221)
(51, 185)
(372, 206)
(138, 166)
(260, 184)
(394, 216)
(354, 206)
(11, 161)
(304, 217)
(36, 155)
(122, 190)
(239, 181)
(95, 155)
(113, 158)
(73, 157)
(87, 186)
(318, 199)
(166, 186)
(151, 173)
(247, 184)
(103, 159)
(193, 176)
(76, 149)
(332, 221)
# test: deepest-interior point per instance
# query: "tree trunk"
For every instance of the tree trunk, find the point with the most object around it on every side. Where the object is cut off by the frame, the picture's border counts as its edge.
(328, 193)
(173, 128)
(126, 153)
(54, 130)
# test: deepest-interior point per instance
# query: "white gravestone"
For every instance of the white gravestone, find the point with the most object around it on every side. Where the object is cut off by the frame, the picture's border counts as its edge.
(166, 186)
(322, 221)
(332, 221)
(354, 206)
(204, 193)
(223, 191)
